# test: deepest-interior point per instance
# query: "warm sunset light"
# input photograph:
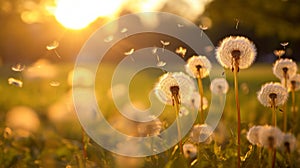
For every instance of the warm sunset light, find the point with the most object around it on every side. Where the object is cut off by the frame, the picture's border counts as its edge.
(77, 14)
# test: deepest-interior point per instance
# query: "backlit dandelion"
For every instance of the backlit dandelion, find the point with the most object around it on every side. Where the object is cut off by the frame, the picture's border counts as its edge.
(181, 51)
(294, 85)
(253, 135)
(219, 86)
(18, 67)
(272, 94)
(16, 82)
(289, 142)
(194, 101)
(190, 151)
(235, 53)
(199, 67)
(201, 133)
(270, 137)
(285, 69)
(151, 128)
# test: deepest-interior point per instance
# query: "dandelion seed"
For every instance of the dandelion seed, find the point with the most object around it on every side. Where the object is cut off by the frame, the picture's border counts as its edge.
(180, 25)
(164, 43)
(170, 80)
(16, 82)
(124, 30)
(181, 51)
(237, 23)
(154, 50)
(190, 151)
(18, 67)
(284, 44)
(129, 52)
(285, 68)
(236, 51)
(293, 83)
(161, 63)
(289, 142)
(203, 27)
(151, 128)
(52, 46)
(54, 83)
(198, 66)
(219, 86)
(108, 39)
(272, 94)
(253, 135)
(270, 137)
(201, 134)
(279, 53)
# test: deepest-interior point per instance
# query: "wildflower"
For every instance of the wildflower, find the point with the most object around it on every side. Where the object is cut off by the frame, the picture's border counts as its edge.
(236, 51)
(285, 68)
(219, 86)
(201, 133)
(189, 151)
(198, 66)
(175, 86)
(272, 94)
(151, 128)
(253, 135)
(16, 82)
(289, 142)
(270, 137)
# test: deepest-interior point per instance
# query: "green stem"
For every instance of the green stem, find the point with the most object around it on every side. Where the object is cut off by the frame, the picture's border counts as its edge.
(294, 108)
(285, 107)
(200, 88)
(177, 107)
(274, 118)
(238, 116)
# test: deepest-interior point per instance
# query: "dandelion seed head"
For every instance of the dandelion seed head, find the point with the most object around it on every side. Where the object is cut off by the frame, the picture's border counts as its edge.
(289, 142)
(236, 48)
(271, 91)
(284, 67)
(181, 51)
(189, 151)
(253, 135)
(194, 101)
(18, 67)
(270, 137)
(201, 134)
(16, 82)
(196, 65)
(151, 128)
(177, 79)
(294, 83)
(52, 46)
(219, 86)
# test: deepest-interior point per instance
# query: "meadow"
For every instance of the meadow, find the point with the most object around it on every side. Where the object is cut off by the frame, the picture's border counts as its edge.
(59, 141)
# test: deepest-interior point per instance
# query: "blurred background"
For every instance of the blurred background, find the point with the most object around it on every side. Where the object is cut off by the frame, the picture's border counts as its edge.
(28, 26)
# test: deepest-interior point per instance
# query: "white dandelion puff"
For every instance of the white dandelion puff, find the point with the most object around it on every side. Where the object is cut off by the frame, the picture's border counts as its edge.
(194, 101)
(253, 135)
(289, 142)
(270, 137)
(201, 134)
(198, 66)
(219, 86)
(272, 94)
(189, 151)
(285, 68)
(293, 83)
(236, 51)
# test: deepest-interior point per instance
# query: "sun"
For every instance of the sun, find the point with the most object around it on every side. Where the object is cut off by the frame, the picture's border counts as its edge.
(78, 14)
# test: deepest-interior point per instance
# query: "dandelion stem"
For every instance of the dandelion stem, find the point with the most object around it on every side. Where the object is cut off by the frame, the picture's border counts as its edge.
(200, 88)
(294, 107)
(285, 106)
(238, 115)
(274, 158)
(84, 146)
(274, 118)
(177, 107)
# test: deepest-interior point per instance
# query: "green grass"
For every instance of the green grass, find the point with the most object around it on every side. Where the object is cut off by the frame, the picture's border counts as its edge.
(59, 144)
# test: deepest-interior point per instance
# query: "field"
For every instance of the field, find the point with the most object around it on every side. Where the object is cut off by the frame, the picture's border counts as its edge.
(59, 141)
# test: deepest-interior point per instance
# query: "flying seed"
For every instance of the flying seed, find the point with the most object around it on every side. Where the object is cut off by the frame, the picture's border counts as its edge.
(129, 52)
(284, 44)
(165, 43)
(108, 39)
(16, 82)
(18, 67)
(181, 51)
(54, 83)
(124, 30)
(52, 46)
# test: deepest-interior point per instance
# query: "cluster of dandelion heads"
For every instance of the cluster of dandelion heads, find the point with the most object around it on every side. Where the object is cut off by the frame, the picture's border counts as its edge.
(219, 86)
(178, 80)
(253, 135)
(270, 137)
(272, 94)
(201, 133)
(289, 142)
(236, 50)
(294, 83)
(198, 66)
(285, 68)
(190, 151)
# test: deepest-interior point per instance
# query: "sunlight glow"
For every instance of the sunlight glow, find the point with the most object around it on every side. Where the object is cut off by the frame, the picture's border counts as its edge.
(78, 14)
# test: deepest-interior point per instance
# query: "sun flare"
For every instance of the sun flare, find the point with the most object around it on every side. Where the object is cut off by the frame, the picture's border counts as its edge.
(78, 14)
